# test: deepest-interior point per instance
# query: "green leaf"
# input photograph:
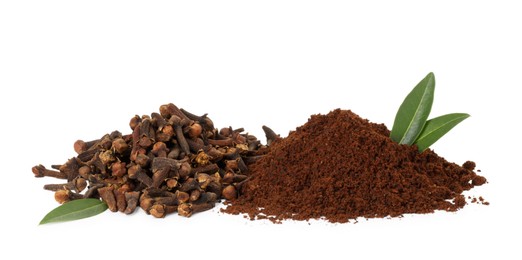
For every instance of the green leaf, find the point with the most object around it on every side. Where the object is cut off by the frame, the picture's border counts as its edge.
(436, 128)
(414, 112)
(76, 209)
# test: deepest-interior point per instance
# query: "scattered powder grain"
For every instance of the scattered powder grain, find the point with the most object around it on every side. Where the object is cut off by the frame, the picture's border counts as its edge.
(340, 167)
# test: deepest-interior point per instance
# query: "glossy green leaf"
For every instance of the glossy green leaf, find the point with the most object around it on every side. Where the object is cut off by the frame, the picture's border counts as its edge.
(76, 209)
(436, 128)
(414, 111)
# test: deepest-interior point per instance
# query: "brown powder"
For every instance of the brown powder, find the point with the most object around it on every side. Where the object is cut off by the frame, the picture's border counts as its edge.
(340, 167)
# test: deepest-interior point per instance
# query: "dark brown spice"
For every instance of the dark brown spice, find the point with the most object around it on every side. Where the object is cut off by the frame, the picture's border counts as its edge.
(341, 167)
(172, 159)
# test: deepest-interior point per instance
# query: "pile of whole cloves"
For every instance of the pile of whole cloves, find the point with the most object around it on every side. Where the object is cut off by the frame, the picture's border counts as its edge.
(173, 161)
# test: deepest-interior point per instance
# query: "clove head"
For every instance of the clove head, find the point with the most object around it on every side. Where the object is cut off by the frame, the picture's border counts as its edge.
(195, 130)
(229, 192)
(119, 145)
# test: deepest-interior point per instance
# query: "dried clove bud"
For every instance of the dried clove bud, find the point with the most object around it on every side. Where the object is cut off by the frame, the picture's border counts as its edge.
(78, 184)
(215, 187)
(194, 195)
(271, 136)
(107, 157)
(142, 160)
(189, 185)
(107, 195)
(146, 203)
(158, 121)
(119, 194)
(62, 196)
(132, 201)
(118, 169)
(182, 196)
(194, 130)
(229, 192)
(80, 146)
(203, 180)
(40, 171)
(160, 149)
(92, 192)
(134, 122)
(187, 209)
(161, 210)
(185, 170)
(207, 197)
(172, 183)
(174, 152)
(85, 172)
(136, 172)
(177, 123)
(169, 110)
(119, 145)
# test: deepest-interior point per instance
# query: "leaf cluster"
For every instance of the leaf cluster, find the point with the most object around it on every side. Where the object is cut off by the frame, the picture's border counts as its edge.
(411, 125)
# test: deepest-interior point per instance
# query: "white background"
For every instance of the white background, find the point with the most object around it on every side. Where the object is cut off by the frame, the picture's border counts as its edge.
(80, 69)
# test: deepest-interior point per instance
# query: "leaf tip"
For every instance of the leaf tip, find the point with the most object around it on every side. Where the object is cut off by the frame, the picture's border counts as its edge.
(431, 78)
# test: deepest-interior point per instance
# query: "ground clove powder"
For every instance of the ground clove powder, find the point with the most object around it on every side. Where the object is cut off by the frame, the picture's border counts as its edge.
(340, 167)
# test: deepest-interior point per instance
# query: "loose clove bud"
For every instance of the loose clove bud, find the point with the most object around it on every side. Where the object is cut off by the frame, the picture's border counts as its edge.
(229, 192)
(118, 169)
(78, 185)
(93, 190)
(119, 145)
(194, 130)
(271, 136)
(119, 194)
(177, 123)
(161, 210)
(107, 195)
(62, 196)
(132, 201)
(136, 172)
(40, 171)
(187, 209)
(160, 149)
(80, 146)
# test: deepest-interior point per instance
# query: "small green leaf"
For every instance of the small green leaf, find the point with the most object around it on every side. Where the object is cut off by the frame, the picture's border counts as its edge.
(436, 128)
(414, 112)
(76, 209)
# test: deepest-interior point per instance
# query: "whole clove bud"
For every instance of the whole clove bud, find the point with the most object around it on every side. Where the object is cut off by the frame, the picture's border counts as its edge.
(142, 160)
(78, 184)
(195, 130)
(40, 171)
(107, 157)
(107, 195)
(271, 136)
(189, 185)
(229, 192)
(119, 145)
(187, 209)
(119, 194)
(62, 196)
(136, 172)
(182, 196)
(160, 149)
(80, 146)
(132, 201)
(119, 169)
(161, 210)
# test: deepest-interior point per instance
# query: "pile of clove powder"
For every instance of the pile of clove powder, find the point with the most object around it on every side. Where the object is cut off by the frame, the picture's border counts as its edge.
(173, 161)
